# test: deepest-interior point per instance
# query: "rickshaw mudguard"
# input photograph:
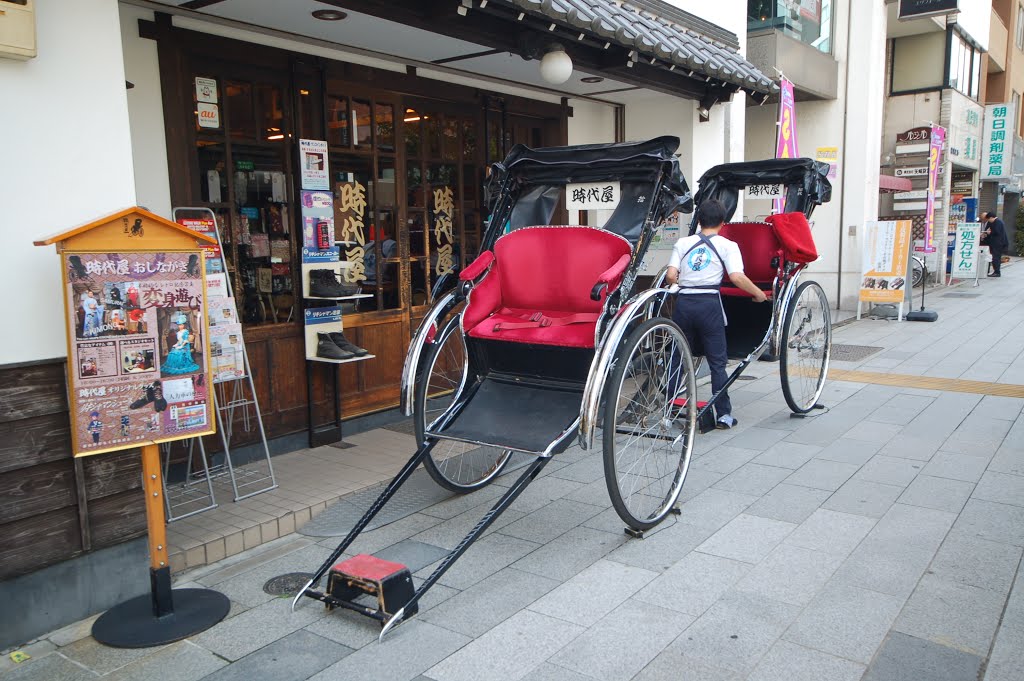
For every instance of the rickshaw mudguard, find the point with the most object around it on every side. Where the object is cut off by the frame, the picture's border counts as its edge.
(419, 342)
(635, 308)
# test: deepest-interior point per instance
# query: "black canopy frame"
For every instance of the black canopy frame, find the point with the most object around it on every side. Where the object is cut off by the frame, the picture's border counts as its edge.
(804, 179)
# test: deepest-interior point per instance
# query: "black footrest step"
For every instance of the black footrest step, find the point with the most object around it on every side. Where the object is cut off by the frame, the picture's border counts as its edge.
(390, 583)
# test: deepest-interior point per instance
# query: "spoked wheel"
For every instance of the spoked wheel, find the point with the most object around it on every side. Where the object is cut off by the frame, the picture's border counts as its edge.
(650, 418)
(456, 466)
(806, 346)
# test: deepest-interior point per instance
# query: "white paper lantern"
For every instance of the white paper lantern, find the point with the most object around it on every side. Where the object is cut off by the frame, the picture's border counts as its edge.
(556, 66)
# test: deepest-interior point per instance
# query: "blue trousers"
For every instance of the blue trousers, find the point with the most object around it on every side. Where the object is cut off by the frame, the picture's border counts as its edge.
(700, 317)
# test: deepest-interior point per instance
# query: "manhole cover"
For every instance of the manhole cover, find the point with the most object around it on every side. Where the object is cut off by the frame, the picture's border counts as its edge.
(852, 353)
(287, 584)
(957, 294)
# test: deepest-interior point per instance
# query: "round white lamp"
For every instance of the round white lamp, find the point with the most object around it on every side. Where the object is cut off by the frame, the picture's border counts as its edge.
(555, 65)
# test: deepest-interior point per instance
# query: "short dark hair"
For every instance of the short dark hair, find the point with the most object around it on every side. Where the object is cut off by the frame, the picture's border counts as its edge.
(711, 213)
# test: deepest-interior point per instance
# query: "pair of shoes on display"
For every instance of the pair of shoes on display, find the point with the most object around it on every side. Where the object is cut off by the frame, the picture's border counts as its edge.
(326, 283)
(151, 394)
(336, 346)
(725, 422)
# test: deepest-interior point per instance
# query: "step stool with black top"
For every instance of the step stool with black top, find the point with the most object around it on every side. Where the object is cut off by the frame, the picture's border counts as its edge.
(390, 583)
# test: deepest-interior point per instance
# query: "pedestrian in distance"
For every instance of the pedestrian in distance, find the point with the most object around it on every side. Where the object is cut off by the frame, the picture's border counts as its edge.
(994, 236)
(697, 265)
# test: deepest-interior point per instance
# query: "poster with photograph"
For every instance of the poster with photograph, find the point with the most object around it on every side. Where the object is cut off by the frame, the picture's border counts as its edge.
(138, 337)
(227, 361)
(886, 254)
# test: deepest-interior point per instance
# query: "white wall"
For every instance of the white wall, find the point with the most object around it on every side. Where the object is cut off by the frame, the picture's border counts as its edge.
(591, 122)
(919, 62)
(66, 160)
(729, 14)
(146, 114)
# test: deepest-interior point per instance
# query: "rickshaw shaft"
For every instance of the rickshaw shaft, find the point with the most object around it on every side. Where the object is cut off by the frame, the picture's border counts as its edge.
(503, 503)
(386, 495)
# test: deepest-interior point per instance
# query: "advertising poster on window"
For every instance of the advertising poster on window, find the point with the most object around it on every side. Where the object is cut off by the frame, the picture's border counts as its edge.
(313, 164)
(138, 341)
(786, 144)
(884, 267)
(829, 155)
(966, 261)
(938, 138)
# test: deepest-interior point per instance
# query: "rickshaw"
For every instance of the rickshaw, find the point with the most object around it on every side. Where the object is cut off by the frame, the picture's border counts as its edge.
(546, 339)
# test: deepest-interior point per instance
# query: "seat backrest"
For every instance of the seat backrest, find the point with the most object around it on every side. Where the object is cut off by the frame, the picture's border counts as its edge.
(555, 268)
(758, 245)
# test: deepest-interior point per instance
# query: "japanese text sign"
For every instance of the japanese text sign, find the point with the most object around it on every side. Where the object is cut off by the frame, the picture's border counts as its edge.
(885, 257)
(786, 144)
(137, 348)
(592, 195)
(444, 237)
(764, 191)
(997, 142)
(938, 138)
(349, 215)
(965, 264)
(313, 164)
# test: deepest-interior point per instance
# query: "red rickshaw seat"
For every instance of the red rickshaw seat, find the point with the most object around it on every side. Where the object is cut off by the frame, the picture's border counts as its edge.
(549, 273)
(758, 246)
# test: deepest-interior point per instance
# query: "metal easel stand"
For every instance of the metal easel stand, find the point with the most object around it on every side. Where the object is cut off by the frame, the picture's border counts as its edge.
(188, 494)
(244, 480)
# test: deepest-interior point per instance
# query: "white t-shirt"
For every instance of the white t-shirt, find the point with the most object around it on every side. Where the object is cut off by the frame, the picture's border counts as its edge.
(700, 267)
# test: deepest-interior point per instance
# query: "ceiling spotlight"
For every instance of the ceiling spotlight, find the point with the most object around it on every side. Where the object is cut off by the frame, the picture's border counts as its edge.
(329, 14)
(591, 79)
(555, 65)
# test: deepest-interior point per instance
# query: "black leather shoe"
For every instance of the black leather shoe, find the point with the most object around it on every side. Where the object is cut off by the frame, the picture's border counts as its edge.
(328, 349)
(995, 274)
(344, 343)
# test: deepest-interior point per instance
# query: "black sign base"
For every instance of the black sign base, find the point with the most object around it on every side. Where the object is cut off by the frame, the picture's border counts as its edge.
(922, 316)
(160, 617)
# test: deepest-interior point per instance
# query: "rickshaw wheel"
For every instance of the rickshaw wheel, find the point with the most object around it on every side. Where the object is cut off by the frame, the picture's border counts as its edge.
(806, 346)
(456, 466)
(648, 433)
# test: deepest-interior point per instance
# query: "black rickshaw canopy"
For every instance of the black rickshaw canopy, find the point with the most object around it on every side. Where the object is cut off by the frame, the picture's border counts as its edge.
(652, 185)
(805, 181)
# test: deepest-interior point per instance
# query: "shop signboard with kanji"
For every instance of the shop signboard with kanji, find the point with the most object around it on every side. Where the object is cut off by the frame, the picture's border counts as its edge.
(997, 142)
(965, 263)
(137, 332)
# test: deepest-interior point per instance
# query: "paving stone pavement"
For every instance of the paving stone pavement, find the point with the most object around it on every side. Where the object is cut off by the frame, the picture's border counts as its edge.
(880, 539)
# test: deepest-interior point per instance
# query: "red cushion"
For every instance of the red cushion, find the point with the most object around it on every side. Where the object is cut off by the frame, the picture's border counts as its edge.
(758, 246)
(368, 567)
(794, 233)
(544, 269)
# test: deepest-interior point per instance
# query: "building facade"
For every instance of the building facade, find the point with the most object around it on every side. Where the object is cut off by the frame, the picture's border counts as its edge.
(202, 104)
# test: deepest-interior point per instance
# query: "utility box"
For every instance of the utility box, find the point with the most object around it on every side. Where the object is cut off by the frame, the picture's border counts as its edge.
(18, 29)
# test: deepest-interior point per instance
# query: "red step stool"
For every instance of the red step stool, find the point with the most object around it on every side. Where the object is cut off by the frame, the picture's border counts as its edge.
(391, 584)
(707, 420)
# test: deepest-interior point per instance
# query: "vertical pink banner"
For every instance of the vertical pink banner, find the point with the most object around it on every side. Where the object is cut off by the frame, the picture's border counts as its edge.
(938, 138)
(786, 146)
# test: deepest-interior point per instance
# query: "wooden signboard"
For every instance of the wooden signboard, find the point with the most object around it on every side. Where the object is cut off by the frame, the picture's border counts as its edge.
(138, 375)
(137, 333)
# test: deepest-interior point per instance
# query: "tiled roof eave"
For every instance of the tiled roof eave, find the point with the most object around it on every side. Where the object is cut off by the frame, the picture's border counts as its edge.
(653, 38)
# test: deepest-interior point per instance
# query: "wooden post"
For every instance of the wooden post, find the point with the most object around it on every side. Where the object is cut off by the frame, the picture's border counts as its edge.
(156, 520)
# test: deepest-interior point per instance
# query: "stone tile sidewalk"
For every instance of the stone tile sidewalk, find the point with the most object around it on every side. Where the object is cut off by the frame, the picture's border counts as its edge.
(878, 540)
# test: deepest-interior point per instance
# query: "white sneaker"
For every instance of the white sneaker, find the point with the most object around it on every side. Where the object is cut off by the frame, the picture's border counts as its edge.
(726, 421)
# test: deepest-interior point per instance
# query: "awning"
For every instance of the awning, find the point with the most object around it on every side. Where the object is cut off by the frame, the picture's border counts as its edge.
(887, 184)
(654, 38)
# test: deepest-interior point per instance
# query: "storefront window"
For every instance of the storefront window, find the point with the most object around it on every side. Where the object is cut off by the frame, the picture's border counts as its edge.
(809, 21)
(362, 129)
(337, 121)
(243, 179)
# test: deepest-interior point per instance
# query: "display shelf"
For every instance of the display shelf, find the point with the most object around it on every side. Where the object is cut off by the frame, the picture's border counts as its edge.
(327, 360)
(352, 297)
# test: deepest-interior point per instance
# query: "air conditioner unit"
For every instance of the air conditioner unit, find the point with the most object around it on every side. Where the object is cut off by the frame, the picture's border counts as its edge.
(17, 29)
